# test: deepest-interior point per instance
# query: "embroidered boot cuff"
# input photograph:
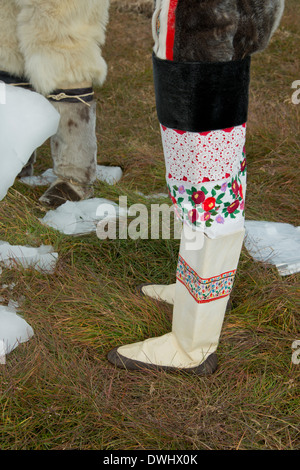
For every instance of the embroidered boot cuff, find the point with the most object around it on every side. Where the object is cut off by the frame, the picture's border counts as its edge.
(200, 97)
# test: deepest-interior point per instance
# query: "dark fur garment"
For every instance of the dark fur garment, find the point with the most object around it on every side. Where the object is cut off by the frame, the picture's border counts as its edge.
(223, 30)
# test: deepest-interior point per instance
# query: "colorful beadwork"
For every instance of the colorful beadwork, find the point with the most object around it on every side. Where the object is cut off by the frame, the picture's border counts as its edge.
(201, 289)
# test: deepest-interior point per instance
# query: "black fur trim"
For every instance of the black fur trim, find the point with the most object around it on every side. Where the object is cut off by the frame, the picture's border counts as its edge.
(199, 97)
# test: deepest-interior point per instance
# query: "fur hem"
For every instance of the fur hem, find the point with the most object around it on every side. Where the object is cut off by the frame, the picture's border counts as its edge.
(11, 59)
(60, 41)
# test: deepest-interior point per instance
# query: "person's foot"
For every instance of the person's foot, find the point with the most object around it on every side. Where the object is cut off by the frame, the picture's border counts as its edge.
(207, 367)
(63, 191)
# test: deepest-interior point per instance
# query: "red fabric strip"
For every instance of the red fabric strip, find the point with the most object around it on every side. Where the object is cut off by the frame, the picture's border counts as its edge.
(203, 301)
(171, 30)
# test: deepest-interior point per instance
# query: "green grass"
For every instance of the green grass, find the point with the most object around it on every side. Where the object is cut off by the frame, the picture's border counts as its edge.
(58, 391)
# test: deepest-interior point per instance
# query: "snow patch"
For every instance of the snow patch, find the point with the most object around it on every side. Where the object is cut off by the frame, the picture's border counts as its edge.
(42, 259)
(108, 174)
(275, 243)
(79, 218)
(14, 330)
(27, 120)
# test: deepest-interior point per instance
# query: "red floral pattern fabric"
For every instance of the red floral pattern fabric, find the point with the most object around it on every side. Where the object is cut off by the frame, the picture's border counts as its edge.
(200, 157)
(207, 185)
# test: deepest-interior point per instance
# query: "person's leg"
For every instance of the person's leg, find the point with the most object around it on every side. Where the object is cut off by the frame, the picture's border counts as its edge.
(74, 152)
(204, 150)
(202, 105)
(61, 45)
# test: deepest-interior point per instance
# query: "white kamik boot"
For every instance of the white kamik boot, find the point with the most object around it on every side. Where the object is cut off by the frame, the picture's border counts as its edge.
(206, 177)
(159, 292)
(205, 278)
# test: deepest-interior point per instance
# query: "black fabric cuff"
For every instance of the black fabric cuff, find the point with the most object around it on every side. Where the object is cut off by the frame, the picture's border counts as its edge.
(198, 96)
(71, 95)
(11, 79)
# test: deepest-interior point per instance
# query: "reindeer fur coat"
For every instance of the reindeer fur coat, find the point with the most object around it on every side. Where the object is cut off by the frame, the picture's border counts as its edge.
(56, 44)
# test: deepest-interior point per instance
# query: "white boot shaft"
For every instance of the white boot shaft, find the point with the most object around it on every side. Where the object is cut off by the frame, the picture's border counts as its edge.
(204, 281)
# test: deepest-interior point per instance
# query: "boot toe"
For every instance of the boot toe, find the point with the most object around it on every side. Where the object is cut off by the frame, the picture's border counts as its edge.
(207, 367)
(58, 194)
(123, 362)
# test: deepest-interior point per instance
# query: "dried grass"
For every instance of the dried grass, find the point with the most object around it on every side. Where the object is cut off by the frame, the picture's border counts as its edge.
(144, 7)
(58, 392)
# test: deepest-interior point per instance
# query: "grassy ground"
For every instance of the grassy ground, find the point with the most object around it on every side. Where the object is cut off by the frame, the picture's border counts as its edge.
(58, 391)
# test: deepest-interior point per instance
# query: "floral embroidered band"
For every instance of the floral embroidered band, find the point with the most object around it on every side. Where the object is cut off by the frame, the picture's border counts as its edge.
(201, 289)
(206, 176)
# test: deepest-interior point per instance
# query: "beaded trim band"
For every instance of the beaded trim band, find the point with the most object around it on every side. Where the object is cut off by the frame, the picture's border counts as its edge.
(204, 289)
